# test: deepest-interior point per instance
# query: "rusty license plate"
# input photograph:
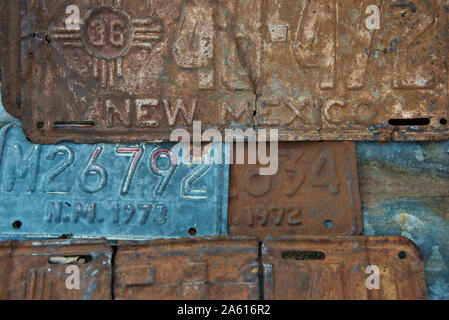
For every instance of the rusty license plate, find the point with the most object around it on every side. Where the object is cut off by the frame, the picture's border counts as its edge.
(213, 269)
(343, 268)
(315, 192)
(315, 70)
(132, 192)
(55, 270)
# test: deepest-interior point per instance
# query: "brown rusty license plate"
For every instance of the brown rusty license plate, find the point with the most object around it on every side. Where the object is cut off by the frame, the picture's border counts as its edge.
(187, 269)
(315, 192)
(343, 268)
(121, 70)
(55, 270)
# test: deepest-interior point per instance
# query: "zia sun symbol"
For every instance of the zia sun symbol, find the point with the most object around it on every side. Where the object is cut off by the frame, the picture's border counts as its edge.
(107, 33)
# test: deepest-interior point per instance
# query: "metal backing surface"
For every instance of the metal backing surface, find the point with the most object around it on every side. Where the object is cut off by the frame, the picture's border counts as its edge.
(134, 71)
(315, 192)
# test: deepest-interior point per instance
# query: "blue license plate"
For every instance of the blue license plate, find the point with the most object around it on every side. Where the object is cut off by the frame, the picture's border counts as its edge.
(119, 192)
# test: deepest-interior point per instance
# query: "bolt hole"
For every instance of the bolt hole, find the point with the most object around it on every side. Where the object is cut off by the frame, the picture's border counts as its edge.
(303, 255)
(193, 232)
(329, 224)
(17, 224)
(402, 255)
(443, 121)
(70, 260)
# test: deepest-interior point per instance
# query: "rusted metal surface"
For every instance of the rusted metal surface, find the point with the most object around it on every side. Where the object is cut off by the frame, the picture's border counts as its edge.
(114, 191)
(315, 192)
(336, 268)
(214, 269)
(10, 57)
(38, 270)
(405, 191)
(134, 70)
(327, 75)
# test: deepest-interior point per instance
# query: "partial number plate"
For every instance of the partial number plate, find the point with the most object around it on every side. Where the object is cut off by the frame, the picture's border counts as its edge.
(141, 191)
(55, 270)
(315, 192)
(343, 268)
(198, 269)
(315, 70)
(297, 268)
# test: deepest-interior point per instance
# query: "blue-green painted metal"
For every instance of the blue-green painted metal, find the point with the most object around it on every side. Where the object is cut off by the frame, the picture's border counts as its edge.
(5, 117)
(405, 191)
(115, 191)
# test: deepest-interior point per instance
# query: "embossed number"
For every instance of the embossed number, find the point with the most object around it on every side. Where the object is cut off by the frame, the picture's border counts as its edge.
(136, 155)
(406, 74)
(317, 23)
(92, 169)
(194, 45)
(187, 189)
(166, 173)
(100, 34)
(324, 172)
(48, 182)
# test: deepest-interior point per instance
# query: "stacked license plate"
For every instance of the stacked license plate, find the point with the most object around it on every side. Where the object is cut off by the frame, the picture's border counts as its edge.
(149, 130)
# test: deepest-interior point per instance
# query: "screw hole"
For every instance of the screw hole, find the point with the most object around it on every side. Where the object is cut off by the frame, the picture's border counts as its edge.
(443, 121)
(329, 224)
(193, 232)
(402, 255)
(17, 224)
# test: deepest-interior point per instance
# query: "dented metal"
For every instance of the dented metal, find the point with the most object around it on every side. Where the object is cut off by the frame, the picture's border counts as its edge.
(316, 70)
(133, 192)
(343, 268)
(315, 192)
(55, 270)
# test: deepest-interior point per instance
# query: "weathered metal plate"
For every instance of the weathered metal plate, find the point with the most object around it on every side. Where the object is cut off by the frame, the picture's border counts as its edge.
(10, 57)
(133, 71)
(405, 191)
(48, 270)
(315, 192)
(213, 269)
(336, 268)
(133, 192)
(328, 74)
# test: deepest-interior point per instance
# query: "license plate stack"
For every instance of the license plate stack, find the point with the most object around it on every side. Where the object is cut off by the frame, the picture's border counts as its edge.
(147, 133)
